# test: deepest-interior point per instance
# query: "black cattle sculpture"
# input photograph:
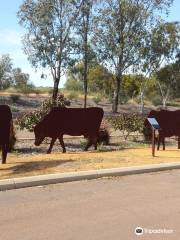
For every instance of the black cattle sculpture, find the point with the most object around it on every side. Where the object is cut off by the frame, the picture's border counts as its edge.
(169, 122)
(5, 130)
(70, 121)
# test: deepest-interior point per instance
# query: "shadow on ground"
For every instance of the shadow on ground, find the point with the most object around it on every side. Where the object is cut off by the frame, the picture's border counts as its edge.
(26, 167)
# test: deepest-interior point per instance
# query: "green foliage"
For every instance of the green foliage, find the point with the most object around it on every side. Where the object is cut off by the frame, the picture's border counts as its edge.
(14, 98)
(48, 41)
(99, 79)
(13, 77)
(127, 123)
(29, 120)
(122, 28)
(156, 100)
(72, 95)
(103, 136)
(5, 71)
(97, 98)
(73, 85)
(131, 84)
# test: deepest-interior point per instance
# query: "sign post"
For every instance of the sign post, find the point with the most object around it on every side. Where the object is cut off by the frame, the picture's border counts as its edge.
(154, 126)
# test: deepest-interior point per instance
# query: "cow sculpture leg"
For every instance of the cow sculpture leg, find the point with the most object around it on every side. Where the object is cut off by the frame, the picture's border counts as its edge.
(51, 145)
(160, 139)
(91, 141)
(163, 142)
(62, 143)
(158, 142)
(178, 142)
(4, 153)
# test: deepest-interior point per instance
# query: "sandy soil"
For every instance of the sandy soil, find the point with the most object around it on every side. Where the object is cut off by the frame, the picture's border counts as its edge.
(40, 163)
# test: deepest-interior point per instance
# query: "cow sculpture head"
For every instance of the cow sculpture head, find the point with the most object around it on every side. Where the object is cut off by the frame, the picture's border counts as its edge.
(39, 134)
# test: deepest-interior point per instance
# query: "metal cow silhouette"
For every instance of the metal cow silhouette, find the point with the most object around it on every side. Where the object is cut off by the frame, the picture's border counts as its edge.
(5, 130)
(169, 122)
(70, 121)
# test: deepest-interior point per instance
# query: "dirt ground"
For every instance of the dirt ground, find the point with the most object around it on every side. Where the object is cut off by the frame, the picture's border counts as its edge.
(19, 164)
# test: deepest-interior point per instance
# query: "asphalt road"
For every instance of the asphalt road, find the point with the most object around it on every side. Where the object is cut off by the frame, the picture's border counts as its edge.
(95, 210)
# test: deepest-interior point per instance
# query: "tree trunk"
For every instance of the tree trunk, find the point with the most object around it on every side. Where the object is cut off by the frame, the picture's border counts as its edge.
(55, 89)
(164, 103)
(85, 60)
(142, 102)
(85, 81)
(116, 94)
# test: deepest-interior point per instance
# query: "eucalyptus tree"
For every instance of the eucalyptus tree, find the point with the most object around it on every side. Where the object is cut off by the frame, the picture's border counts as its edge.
(165, 47)
(168, 80)
(21, 79)
(83, 40)
(5, 71)
(122, 27)
(48, 41)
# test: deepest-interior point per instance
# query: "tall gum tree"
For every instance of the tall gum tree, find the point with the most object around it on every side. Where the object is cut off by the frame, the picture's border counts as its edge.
(49, 32)
(84, 29)
(120, 35)
(166, 46)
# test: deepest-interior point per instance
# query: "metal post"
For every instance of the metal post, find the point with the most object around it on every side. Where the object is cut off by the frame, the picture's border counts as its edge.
(178, 142)
(153, 142)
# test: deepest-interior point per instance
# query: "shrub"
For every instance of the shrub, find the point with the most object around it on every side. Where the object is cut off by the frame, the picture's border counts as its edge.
(156, 101)
(97, 99)
(73, 95)
(127, 123)
(104, 134)
(31, 119)
(14, 98)
(147, 133)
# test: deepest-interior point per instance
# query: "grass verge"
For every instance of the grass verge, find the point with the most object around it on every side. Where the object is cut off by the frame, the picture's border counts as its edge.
(19, 165)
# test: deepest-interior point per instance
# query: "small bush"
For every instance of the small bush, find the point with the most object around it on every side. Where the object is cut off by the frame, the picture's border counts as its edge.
(31, 119)
(147, 133)
(73, 95)
(14, 98)
(103, 136)
(156, 101)
(104, 133)
(97, 99)
(127, 123)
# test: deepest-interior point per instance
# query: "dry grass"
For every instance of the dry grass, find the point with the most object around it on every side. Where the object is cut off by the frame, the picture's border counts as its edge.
(29, 165)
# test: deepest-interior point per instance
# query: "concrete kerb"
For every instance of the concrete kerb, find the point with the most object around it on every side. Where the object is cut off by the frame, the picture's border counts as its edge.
(15, 183)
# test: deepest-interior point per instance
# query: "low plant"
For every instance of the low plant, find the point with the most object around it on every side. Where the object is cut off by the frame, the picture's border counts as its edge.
(73, 95)
(156, 101)
(97, 99)
(104, 133)
(14, 98)
(127, 123)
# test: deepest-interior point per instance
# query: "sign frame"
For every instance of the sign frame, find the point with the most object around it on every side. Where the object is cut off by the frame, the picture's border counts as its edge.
(154, 126)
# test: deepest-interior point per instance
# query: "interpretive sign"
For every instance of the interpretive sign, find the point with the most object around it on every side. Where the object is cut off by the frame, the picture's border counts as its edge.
(155, 126)
(154, 123)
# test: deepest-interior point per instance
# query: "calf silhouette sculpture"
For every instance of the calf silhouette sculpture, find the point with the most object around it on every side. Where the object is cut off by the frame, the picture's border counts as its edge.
(70, 121)
(5, 130)
(169, 122)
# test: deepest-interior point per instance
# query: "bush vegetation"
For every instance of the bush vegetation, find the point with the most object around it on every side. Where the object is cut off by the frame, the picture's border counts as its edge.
(127, 123)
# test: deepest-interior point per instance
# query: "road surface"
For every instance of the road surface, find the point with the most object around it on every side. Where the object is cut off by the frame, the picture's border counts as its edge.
(102, 209)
